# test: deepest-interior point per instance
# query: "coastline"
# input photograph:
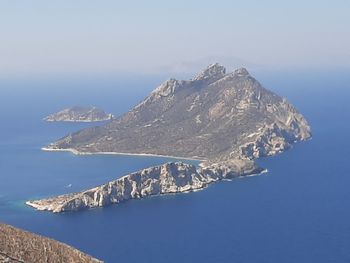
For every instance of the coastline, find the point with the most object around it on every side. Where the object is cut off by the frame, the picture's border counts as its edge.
(76, 152)
(79, 201)
(58, 204)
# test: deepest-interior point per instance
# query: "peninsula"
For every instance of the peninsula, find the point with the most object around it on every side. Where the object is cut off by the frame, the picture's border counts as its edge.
(79, 114)
(226, 120)
(163, 179)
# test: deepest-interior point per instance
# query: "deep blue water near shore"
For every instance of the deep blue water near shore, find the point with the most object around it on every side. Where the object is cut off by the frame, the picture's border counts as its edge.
(298, 212)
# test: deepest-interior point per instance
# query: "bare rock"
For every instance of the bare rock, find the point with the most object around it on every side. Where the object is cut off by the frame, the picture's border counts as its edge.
(158, 180)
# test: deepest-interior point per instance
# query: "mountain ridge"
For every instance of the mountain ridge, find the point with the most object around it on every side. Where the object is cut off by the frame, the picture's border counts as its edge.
(168, 178)
(208, 117)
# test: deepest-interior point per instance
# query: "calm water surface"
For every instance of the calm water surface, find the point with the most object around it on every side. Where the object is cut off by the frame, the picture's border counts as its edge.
(298, 212)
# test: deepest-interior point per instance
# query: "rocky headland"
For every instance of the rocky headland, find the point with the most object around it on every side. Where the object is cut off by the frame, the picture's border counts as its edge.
(163, 179)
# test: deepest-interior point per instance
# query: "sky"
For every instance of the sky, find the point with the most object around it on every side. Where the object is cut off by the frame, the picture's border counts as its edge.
(41, 37)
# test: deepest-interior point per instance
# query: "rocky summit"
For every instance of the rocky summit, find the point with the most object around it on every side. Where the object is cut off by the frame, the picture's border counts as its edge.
(214, 116)
(226, 120)
(79, 114)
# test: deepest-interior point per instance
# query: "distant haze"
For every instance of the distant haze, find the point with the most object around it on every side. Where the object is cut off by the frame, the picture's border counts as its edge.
(93, 37)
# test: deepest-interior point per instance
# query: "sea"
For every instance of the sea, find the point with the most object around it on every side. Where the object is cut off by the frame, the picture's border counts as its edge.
(299, 211)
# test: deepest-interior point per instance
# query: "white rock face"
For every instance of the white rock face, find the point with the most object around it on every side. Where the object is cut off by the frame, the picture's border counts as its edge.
(213, 72)
(164, 179)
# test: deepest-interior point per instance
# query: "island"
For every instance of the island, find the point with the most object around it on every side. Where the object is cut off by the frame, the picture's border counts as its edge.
(20, 246)
(79, 114)
(225, 120)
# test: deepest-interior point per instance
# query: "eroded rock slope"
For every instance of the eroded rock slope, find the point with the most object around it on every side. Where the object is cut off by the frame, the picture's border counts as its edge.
(17, 245)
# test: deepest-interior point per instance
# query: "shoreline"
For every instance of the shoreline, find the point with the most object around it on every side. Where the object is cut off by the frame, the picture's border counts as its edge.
(50, 207)
(76, 152)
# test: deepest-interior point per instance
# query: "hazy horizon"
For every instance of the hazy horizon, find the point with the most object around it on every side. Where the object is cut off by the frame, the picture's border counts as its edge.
(88, 37)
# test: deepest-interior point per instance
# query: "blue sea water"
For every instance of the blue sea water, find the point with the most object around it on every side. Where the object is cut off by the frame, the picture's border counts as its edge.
(297, 212)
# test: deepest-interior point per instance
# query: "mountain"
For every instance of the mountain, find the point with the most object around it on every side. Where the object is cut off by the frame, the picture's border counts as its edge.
(17, 245)
(79, 114)
(215, 116)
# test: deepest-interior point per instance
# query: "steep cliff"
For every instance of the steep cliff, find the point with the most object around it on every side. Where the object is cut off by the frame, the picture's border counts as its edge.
(164, 179)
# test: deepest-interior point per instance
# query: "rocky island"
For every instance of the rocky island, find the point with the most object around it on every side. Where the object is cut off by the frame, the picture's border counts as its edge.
(226, 120)
(20, 246)
(79, 114)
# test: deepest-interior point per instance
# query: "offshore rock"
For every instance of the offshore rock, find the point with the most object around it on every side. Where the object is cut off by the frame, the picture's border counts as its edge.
(79, 114)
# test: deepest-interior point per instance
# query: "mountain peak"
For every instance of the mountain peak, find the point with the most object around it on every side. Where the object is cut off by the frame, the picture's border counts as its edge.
(241, 72)
(166, 88)
(216, 116)
(213, 71)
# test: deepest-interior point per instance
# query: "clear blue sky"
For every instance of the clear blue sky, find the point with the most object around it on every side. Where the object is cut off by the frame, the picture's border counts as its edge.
(83, 36)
